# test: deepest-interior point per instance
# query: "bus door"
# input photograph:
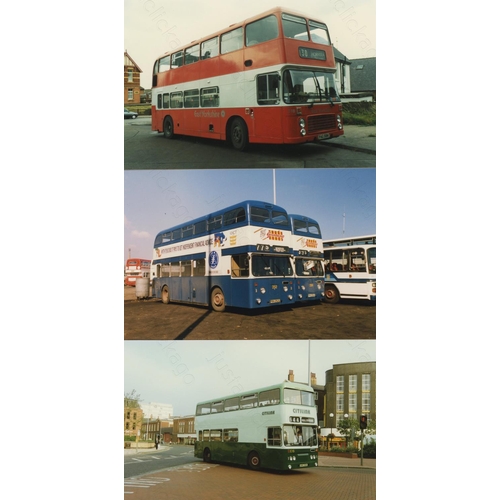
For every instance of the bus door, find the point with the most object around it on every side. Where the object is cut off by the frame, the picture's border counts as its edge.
(198, 282)
(267, 121)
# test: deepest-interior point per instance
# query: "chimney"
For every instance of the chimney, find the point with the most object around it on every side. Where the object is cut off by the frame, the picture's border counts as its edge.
(313, 379)
(291, 376)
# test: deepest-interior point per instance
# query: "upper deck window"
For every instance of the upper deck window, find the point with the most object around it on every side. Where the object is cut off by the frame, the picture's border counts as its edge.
(294, 27)
(192, 54)
(280, 218)
(234, 216)
(261, 31)
(177, 59)
(319, 33)
(232, 40)
(164, 64)
(210, 48)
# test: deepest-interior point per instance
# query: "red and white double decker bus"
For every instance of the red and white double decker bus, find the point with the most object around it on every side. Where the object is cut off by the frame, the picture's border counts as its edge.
(136, 268)
(268, 79)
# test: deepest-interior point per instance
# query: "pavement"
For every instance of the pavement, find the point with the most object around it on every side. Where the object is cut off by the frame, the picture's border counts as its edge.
(360, 138)
(324, 461)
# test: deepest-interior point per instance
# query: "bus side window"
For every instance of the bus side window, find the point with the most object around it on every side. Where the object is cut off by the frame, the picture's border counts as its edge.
(232, 40)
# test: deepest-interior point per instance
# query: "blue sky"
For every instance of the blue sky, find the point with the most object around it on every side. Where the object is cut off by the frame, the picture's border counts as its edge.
(153, 27)
(158, 199)
(183, 373)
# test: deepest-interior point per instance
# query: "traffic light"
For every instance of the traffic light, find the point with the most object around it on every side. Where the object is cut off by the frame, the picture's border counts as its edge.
(363, 422)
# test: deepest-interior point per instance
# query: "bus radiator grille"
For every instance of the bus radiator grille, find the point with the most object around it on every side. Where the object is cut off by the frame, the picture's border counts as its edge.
(320, 122)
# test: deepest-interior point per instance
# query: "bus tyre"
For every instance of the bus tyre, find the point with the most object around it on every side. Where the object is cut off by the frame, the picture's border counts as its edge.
(217, 300)
(332, 295)
(207, 456)
(165, 295)
(168, 127)
(254, 460)
(239, 134)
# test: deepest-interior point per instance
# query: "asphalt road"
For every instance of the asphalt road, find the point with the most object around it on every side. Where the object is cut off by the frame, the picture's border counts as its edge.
(137, 463)
(150, 319)
(146, 149)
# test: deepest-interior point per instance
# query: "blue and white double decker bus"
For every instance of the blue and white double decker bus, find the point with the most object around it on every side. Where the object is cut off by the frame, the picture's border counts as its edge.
(350, 268)
(308, 258)
(240, 256)
(274, 427)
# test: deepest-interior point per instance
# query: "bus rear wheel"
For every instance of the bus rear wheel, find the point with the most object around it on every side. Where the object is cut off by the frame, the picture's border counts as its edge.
(165, 295)
(239, 134)
(254, 460)
(332, 295)
(217, 300)
(168, 128)
(207, 455)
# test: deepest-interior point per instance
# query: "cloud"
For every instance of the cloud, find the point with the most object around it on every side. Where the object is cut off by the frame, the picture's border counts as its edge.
(140, 234)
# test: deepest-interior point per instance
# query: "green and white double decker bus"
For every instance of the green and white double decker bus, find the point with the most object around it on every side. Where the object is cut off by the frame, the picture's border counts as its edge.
(274, 427)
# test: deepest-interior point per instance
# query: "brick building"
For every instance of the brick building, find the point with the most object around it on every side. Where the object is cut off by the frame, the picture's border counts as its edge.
(184, 430)
(132, 420)
(350, 390)
(132, 81)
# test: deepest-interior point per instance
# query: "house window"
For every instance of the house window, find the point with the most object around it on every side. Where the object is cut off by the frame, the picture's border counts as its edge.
(352, 403)
(366, 382)
(130, 94)
(353, 383)
(340, 403)
(340, 383)
(130, 75)
(365, 402)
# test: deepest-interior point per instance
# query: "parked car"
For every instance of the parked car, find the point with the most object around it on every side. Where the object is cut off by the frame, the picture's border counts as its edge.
(130, 114)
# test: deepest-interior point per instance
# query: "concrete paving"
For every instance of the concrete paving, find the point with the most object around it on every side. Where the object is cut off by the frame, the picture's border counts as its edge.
(324, 461)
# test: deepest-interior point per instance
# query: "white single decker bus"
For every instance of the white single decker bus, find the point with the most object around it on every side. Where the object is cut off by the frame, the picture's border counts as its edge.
(350, 268)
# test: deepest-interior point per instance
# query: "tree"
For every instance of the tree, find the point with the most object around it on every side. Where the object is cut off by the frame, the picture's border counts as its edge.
(349, 428)
(132, 400)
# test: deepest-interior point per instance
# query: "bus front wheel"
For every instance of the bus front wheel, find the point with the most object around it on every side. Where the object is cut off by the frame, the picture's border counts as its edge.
(332, 295)
(165, 295)
(239, 134)
(207, 456)
(254, 460)
(217, 300)
(168, 127)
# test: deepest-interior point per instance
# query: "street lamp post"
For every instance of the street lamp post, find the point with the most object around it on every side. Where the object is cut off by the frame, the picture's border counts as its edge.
(346, 416)
(331, 427)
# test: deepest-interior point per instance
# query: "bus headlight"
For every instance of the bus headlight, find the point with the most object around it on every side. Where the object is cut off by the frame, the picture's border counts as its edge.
(290, 297)
(300, 295)
(262, 290)
(258, 301)
(339, 122)
(285, 288)
(302, 125)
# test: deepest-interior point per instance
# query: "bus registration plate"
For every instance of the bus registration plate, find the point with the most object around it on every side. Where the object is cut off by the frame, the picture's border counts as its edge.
(303, 465)
(275, 301)
(323, 136)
